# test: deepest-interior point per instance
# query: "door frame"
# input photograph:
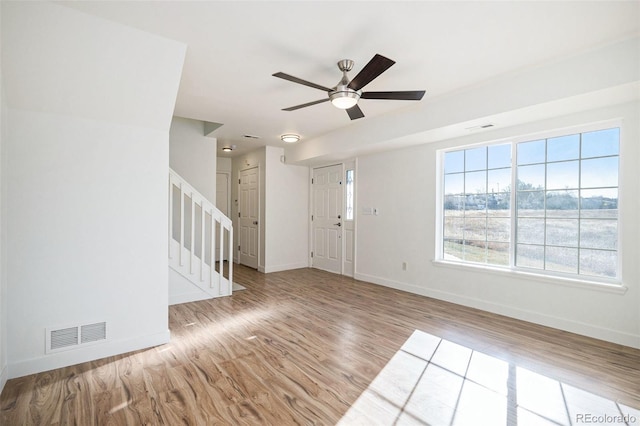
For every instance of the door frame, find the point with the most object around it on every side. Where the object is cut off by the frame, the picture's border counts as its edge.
(259, 204)
(351, 164)
(229, 207)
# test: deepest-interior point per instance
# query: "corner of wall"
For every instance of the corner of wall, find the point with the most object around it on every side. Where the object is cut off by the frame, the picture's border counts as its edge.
(3, 281)
(193, 155)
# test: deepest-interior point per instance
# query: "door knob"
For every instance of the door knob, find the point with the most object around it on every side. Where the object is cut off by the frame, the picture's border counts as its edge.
(255, 222)
(338, 224)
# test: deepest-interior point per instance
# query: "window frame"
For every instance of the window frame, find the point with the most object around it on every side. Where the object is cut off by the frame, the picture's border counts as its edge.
(611, 283)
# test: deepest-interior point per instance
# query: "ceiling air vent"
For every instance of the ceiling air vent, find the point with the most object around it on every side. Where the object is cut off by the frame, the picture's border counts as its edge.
(66, 338)
(480, 127)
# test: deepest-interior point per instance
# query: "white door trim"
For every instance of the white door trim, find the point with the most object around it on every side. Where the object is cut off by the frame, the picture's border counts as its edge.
(327, 250)
(349, 164)
(259, 225)
(349, 234)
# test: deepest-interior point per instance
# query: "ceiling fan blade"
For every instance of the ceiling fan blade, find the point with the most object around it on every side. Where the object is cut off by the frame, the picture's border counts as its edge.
(376, 66)
(409, 95)
(293, 108)
(355, 112)
(300, 81)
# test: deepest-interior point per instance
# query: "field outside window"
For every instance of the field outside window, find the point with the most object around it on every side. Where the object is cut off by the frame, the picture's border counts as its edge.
(562, 216)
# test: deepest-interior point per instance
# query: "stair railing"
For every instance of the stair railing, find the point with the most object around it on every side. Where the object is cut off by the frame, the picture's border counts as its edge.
(200, 239)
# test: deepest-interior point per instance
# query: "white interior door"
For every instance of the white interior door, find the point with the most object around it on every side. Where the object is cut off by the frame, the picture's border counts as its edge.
(249, 214)
(222, 203)
(328, 195)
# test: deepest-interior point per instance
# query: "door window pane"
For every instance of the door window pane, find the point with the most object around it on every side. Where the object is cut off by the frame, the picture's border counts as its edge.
(349, 207)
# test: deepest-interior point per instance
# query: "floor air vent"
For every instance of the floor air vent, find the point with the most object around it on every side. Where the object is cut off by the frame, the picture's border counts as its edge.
(66, 338)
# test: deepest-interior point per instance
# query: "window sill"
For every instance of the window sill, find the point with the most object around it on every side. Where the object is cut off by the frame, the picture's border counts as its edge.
(612, 287)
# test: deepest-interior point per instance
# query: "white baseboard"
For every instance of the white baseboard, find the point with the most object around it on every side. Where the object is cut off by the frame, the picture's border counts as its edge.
(90, 353)
(590, 330)
(4, 376)
(278, 268)
(176, 299)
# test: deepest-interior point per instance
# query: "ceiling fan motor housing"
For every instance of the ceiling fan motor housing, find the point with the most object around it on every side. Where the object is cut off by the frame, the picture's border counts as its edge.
(345, 65)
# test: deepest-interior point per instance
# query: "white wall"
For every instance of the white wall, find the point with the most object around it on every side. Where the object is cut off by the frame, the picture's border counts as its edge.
(193, 155)
(3, 279)
(224, 164)
(286, 213)
(284, 209)
(402, 185)
(87, 239)
(86, 181)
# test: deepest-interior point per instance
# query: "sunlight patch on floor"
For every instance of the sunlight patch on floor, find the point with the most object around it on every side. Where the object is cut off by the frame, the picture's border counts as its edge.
(432, 381)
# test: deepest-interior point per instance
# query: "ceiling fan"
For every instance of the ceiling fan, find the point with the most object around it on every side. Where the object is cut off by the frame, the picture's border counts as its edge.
(346, 93)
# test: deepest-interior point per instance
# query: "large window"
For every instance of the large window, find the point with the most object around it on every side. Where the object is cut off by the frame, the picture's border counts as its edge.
(548, 204)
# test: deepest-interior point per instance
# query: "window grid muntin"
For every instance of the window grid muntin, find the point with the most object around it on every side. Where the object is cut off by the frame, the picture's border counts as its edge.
(605, 196)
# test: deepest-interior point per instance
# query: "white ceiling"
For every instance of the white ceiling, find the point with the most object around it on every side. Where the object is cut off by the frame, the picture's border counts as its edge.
(439, 46)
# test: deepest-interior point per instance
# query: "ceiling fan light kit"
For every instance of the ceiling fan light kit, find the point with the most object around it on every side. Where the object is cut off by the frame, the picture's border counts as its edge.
(344, 99)
(346, 94)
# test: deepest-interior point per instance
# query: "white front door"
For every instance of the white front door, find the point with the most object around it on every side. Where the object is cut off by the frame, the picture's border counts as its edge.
(328, 193)
(249, 214)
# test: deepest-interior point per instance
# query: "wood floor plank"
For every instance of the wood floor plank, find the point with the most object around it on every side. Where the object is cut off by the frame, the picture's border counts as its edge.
(299, 347)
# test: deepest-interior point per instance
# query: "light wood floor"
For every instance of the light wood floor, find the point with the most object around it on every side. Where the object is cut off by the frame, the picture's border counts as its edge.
(299, 347)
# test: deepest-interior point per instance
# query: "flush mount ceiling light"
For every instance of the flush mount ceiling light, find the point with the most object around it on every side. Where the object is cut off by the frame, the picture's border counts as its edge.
(229, 148)
(290, 138)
